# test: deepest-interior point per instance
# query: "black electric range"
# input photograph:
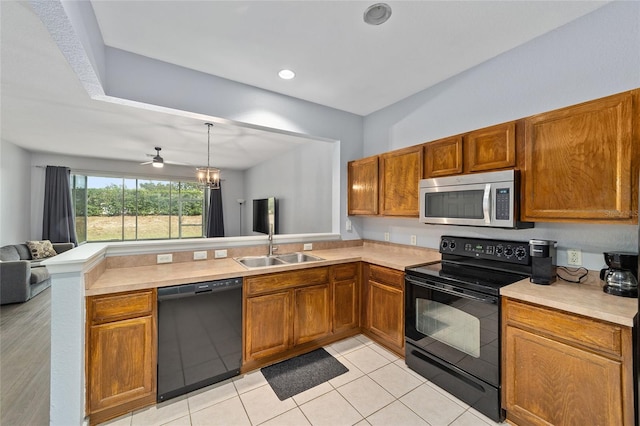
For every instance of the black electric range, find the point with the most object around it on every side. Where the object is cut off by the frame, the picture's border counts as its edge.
(452, 317)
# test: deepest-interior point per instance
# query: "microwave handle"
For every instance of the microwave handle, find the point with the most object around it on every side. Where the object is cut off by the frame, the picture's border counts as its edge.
(486, 201)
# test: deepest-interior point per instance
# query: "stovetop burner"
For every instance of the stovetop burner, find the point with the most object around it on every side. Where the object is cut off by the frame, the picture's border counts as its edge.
(482, 265)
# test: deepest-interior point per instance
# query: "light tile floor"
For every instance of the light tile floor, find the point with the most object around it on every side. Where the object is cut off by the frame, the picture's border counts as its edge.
(379, 389)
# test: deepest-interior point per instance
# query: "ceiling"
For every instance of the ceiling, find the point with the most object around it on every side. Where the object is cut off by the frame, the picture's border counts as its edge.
(340, 62)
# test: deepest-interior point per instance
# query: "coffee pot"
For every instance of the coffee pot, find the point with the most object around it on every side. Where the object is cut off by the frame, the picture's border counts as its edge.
(621, 276)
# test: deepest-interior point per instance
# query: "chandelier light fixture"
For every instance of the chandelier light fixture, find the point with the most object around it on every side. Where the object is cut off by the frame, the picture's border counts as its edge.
(208, 176)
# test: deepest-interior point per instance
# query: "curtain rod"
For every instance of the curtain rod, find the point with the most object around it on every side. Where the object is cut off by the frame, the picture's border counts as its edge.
(100, 173)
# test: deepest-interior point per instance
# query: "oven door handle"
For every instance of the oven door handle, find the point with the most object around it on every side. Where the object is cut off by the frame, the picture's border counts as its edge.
(476, 296)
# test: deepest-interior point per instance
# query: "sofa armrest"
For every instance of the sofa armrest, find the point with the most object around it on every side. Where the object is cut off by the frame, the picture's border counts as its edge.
(62, 247)
(14, 281)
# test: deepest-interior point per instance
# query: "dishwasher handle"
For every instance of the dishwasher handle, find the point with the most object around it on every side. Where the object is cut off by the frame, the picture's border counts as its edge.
(194, 289)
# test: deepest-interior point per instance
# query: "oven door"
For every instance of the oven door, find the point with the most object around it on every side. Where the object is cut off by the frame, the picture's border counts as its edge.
(458, 326)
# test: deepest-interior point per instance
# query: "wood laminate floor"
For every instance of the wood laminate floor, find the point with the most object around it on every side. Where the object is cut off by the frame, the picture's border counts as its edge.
(25, 363)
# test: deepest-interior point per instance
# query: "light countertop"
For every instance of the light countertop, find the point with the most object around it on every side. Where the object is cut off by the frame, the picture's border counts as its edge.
(586, 298)
(144, 277)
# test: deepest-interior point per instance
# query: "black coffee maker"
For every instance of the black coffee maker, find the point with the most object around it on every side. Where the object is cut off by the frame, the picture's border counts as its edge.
(621, 276)
(543, 261)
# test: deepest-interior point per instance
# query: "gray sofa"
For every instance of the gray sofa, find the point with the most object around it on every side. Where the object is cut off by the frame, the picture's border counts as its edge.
(21, 277)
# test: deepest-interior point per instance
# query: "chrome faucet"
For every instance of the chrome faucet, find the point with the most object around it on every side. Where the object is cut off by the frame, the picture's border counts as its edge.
(271, 247)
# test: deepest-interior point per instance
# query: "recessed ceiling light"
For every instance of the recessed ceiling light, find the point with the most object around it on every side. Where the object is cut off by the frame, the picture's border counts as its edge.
(286, 74)
(377, 14)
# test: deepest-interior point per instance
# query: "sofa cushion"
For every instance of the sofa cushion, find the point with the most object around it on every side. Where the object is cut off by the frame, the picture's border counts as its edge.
(23, 251)
(38, 275)
(41, 249)
(9, 253)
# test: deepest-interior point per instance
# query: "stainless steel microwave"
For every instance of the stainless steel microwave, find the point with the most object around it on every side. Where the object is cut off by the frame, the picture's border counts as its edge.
(481, 199)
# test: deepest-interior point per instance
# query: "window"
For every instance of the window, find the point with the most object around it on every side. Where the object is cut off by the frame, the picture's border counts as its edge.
(123, 209)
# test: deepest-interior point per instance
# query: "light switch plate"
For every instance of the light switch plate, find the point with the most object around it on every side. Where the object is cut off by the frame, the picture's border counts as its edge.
(220, 254)
(308, 246)
(165, 258)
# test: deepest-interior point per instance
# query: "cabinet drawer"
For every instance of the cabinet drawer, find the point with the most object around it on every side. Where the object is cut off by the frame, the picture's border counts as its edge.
(282, 280)
(571, 328)
(386, 276)
(114, 307)
(344, 272)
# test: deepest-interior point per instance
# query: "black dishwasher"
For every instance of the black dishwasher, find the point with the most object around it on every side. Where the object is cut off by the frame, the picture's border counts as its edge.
(199, 335)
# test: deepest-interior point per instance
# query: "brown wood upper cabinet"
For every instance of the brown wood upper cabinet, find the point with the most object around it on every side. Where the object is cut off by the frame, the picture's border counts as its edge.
(580, 163)
(362, 193)
(491, 148)
(488, 149)
(400, 172)
(121, 353)
(443, 157)
(562, 369)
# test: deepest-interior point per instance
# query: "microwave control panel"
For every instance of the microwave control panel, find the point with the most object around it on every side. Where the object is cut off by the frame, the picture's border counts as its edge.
(501, 250)
(503, 204)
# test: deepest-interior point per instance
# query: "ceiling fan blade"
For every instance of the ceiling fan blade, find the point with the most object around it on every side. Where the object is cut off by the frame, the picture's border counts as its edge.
(146, 162)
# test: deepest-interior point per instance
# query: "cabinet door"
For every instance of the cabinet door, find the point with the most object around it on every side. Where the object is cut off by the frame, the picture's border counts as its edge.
(548, 382)
(400, 173)
(362, 193)
(385, 312)
(443, 157)
(345, 305)
(311, 313)
(121, 363)
(579, 162)
(490, 148)
(267, 325)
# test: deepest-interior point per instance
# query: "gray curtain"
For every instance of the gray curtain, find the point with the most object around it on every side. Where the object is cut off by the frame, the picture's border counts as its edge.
(58, 222)
(215, 223)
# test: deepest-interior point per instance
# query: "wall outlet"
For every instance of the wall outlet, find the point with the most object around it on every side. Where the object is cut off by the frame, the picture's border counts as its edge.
(199, 255)
(574, 257)
(386, 236)
(348, 225)
(308, 246)
(165, 258)
(220, 254)
(414, 240)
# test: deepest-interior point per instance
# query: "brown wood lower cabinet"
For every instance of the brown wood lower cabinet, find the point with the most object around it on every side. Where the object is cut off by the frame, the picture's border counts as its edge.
(383, 310)
(267, 324)
(297, 311)
(346, 296)
(121, 353)
(564, 369)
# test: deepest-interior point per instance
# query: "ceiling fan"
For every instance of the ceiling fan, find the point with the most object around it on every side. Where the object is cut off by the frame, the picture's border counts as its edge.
(157, 160)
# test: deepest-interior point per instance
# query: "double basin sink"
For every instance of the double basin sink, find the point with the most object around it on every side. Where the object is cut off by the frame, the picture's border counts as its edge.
(275, 260)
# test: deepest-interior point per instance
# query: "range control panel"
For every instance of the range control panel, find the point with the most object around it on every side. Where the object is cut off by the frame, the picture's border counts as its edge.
(501, 250)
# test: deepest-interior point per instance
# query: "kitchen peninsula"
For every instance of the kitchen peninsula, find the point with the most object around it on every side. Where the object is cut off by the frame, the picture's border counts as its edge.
(102, 269)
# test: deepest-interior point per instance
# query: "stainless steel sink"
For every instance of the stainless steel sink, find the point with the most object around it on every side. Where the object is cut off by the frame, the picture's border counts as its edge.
(259, 261)
(297, 258)
(280, 259)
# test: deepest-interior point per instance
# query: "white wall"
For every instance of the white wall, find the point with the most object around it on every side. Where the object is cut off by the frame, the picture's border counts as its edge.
(301, 181)
(594, 56)
(15, 184)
